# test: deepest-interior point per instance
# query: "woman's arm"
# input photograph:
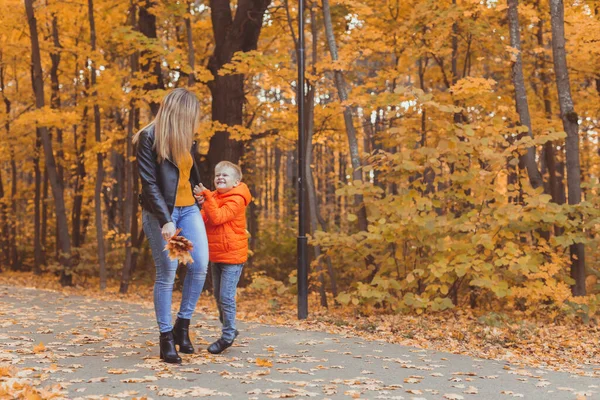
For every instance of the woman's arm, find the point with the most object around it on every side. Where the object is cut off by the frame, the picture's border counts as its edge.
(147, 166)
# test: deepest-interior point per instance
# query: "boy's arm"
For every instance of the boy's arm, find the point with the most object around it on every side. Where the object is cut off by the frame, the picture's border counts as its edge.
(233, 206)
(200, 199)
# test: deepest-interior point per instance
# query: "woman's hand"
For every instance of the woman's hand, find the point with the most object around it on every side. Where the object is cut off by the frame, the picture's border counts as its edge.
(168, 231)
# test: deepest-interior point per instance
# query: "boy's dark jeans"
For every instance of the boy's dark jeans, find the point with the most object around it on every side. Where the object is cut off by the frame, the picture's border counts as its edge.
(225, 278)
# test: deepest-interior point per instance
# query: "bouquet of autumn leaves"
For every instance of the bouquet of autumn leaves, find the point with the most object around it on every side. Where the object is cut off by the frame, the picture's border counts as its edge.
(180, 248)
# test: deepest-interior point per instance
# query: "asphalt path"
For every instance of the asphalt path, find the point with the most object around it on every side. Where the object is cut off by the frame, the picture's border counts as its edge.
(86, 348)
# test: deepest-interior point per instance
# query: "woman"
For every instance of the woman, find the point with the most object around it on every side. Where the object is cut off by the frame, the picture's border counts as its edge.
(167, 168)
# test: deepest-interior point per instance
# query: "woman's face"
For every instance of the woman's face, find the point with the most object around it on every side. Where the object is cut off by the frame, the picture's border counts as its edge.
(225, 179)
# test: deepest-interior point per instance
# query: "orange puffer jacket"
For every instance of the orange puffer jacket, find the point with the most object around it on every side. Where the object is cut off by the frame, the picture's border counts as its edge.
(225, 219)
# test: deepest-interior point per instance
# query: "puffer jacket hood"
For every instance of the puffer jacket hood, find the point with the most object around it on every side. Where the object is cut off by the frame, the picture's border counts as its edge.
(240, 190)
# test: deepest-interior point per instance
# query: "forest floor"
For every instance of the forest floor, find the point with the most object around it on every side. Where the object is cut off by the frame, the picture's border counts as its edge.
(80, 342)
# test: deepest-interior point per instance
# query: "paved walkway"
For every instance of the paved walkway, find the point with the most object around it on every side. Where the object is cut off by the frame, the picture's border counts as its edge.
(96, 349)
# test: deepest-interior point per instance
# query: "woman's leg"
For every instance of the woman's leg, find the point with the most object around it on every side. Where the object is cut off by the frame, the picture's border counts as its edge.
(165, 271)
(192, 228)
(230, 276)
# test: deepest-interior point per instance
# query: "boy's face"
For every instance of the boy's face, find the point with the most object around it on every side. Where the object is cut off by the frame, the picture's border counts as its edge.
(226, 179)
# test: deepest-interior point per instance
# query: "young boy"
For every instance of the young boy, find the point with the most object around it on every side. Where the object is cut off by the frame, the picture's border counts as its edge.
(224, 214)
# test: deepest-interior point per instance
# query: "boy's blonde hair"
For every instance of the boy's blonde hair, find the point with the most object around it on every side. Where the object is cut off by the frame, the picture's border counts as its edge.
(174, 125)
(234, 167)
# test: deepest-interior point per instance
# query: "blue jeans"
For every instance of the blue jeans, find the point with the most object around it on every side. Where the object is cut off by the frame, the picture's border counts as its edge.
(192, 227)
(225, 279)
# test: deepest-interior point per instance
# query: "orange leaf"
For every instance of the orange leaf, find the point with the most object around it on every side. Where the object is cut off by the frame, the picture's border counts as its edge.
(262, 362)
(40, 348)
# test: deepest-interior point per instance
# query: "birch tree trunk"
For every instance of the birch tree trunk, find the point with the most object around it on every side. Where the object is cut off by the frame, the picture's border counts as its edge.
(571, 126)
(55, 182)
(342, 88)
(527, 160)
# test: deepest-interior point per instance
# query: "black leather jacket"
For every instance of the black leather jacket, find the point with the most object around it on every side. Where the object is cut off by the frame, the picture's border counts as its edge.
(159, 181)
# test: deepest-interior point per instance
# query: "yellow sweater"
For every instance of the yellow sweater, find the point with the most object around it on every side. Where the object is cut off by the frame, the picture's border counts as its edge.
(184, 189)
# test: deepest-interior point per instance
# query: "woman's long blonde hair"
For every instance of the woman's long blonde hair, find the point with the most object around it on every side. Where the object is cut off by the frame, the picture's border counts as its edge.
(174, 125)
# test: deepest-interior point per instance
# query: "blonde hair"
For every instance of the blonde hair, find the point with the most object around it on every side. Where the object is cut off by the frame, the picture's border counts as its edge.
(234, 167)
(174, 125)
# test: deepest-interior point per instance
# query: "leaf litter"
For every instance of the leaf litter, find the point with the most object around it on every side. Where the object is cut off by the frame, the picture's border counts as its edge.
(109, 337)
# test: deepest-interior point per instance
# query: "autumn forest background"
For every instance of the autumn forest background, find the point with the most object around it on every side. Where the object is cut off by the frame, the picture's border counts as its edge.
(453, 145)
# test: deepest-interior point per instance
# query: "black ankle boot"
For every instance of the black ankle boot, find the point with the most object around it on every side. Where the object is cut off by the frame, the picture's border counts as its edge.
(218, 346)
(181, 333)
(168, 353)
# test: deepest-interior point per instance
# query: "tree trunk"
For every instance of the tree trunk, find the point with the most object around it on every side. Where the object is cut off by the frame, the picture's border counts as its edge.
(342, 89)
(99, 155)
(231, 34)
(54, 104)
(79, 182)
(253, 213)
(457, 116)
(55, 95)
(4, 219)
(527, 160)
(38, 258)
(130, 215)
(147, 25)
(79, 145)
(291, 171)
(131, 202)
(276, 170)
(15, 262)
(310, 189)
(45, 217)
(571, 126)
(55, 182)
(342, 177)
(4, 259)
(549, 156)
(311, 192)
(190, 43)
(10, 229)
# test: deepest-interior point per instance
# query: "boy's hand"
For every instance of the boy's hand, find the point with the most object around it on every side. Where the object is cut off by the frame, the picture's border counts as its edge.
(198, 193)
(199, 189)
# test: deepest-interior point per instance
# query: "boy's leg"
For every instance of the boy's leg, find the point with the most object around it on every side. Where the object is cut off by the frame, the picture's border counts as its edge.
(165, 271)
(216, 270)
(230, 276)
(192, 228)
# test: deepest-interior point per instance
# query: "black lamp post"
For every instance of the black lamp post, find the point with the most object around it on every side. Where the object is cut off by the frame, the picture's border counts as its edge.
(302, 240)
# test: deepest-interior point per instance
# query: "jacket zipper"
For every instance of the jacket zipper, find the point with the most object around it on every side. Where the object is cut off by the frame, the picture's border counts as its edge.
(177, 185)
